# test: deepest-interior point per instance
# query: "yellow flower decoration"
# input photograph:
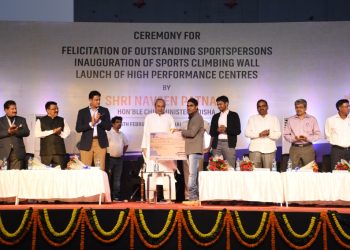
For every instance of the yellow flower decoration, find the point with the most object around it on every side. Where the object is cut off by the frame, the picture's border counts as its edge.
(66, 230)
(212, 231)
(296, 235)
(19, 229)
(115, 228)
(258, 232)
(163, 231)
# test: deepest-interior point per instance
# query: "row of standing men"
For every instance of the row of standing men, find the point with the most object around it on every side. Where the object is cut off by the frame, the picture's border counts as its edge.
(93, 121)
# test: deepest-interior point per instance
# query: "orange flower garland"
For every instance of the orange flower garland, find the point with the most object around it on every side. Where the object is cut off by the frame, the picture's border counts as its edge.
(98, 237)
(24, 232)
(250, 245)
(273, 233)
(331, 229)
(132, 229)
(179, 231)
(82, 232)
(69, 238)
(144, 241)
(324, 229)
(289, 243)
(228, 238)
(180, 222)
(189, 233)
(35, 228)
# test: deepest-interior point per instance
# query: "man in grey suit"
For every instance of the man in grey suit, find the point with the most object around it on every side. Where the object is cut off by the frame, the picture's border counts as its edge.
(193, 146)
(12, 130)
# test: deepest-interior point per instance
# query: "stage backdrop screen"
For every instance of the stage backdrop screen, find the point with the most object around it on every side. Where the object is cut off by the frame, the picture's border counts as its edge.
(133, 64)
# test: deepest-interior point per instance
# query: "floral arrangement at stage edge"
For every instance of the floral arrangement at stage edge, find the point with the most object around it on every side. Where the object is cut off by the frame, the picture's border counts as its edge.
(342, 165)
(217, 163)
(75, 163)
(315, 167)
(246, 164)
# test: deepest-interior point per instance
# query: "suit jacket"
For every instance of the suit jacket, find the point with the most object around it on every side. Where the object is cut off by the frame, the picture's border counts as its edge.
(194, 135)
(233, 129)
(7, 142)
(82, 125)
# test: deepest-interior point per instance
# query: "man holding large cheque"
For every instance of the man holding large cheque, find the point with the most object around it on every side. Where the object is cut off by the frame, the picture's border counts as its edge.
(156, 123)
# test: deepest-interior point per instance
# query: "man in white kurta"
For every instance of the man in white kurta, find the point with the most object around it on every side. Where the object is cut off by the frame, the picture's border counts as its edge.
(158, 122)
(263, 130)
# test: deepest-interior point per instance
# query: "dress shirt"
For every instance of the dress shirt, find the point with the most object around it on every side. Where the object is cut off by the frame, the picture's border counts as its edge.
(257, 124)
(307, 127)
(11, 120)
(93, 114)
(223, 121)
(337, 130)
(156, 123)
(42, 134)
(117, 141)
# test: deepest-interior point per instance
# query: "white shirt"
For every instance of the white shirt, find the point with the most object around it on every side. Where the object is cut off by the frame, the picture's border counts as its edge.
(223, 121)
(117, 141)
(257, 124)
(93, 113)
(337, 130)
(42, 134)
(156, 123)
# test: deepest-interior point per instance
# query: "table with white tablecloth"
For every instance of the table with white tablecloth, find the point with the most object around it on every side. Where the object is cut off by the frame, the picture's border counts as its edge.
(261, 186)
(316, 188)
(9, 185)
(63, 185)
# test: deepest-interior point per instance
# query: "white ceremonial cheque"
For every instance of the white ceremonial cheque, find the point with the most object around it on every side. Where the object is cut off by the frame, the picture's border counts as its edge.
(167, 146)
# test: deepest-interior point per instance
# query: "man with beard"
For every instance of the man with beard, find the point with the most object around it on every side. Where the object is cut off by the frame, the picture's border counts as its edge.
(224, 128)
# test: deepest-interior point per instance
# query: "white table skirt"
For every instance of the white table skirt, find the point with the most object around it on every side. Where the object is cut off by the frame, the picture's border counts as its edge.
(8, 185)
(63, 185)
(259, 186)
(80, 185)
(319, 188)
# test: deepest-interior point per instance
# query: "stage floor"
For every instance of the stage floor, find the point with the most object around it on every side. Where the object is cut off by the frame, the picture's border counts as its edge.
(239, 206)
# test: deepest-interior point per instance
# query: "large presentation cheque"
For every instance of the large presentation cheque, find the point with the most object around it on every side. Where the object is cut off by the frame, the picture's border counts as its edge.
(167, 146)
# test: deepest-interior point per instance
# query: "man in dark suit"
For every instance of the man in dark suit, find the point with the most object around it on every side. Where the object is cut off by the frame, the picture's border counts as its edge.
(224, 128)
(12, 130)
(93, 121)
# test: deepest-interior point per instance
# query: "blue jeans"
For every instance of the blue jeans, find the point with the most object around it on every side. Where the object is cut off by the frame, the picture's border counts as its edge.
(116, 167)
(193, 164)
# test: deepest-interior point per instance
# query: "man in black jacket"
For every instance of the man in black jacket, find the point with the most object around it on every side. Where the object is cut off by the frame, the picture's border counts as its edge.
(93, 121)
(224, 128)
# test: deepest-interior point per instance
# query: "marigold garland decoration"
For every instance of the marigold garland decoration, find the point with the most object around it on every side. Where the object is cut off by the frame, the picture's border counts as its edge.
(35, 228)
(245, 239)
(257, 233)
(337, 224)
(14, 238)
(203, 239)
(150, 239)
(297, 243)
(107, 236)
(51, 236)
(342, 236)
(307, 233)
